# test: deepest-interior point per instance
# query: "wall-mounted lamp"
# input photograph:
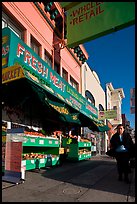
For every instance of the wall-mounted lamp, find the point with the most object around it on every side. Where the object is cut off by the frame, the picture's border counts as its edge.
(61, 43)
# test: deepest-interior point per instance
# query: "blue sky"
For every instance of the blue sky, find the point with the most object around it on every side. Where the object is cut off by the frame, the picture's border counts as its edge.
(113, 58)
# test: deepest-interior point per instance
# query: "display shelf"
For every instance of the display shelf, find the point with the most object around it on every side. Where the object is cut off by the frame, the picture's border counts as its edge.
(84, 144)
(77, 150)
(48, 148)
(31, 164)
(40, 141)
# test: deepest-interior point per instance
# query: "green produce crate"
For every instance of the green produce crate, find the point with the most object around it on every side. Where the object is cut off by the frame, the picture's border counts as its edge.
(84, 156)
(37, 141)
(84, 144)
(52, 161)
(55, 160)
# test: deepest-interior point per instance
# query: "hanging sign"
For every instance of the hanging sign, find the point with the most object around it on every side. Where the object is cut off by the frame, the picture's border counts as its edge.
(90, 20)
(109, 114)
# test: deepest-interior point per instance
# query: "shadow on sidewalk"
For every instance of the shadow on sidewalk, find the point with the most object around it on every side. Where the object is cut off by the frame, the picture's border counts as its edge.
(99, 174)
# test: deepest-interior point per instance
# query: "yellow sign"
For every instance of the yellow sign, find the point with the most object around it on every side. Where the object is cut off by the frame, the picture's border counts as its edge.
(4, 39)
(108, 114)
(4, 61)
(3, 138)
(12, 73)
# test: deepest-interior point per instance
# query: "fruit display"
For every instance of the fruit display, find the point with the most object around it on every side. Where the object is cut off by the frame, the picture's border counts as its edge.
(33, 156)
(83, 151)
(78, 150)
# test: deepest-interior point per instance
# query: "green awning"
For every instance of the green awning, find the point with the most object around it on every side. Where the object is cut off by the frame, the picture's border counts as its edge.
(65, 114)
(101, 127)
(62, 109)
(47, 83)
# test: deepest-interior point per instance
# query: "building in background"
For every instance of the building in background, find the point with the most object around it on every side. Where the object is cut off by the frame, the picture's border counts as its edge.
(114, 102)
(93, 91)
(125, 122)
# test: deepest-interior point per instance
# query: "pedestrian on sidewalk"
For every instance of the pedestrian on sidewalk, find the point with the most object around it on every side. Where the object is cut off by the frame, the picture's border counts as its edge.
(122, 143)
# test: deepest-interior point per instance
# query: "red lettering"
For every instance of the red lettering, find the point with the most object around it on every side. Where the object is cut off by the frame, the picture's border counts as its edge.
(75, 21)
(34, 61)
(20, 50)
(92, 13)
(81, 18)
(86, 15)
(27, 57)
(98, 10)
(76, 12)
(92, 5)
(40, 68)
(5, 50)
(44, 71)
(11, 74)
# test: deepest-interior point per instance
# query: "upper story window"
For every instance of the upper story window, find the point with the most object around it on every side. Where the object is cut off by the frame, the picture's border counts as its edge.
(90, 97)
(35, 46)
(114, 107)
(8, 22)
(74, 84)
(64, 74)
(101, 107)
(48, 58)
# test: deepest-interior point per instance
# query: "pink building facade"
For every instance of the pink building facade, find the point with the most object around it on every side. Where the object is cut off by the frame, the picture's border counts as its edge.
(38, 45)
(38, 33)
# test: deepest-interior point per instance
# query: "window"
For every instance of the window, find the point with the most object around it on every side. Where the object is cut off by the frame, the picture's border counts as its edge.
(7, 22)
(101, 107)
(35, 45)
(74, 84)
(90, 97)
(65, 74)
(48, 58)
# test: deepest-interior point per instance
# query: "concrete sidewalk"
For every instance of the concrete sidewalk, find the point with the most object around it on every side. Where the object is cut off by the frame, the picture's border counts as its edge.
(94, 180)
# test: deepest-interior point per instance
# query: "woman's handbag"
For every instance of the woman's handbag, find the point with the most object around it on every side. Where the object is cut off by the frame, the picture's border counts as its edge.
(111, 153)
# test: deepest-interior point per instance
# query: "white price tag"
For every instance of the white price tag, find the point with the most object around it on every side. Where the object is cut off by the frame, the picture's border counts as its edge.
(84, 144)
(32, 140)
(42, 160)
(50, 141)
(41, 141)
(56, 142)
(32, 161)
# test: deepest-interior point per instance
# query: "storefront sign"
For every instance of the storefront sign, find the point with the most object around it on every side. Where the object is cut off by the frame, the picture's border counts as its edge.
(90, 20)
(65, 114)
(39, 72)
(108, 114)
(12, 73)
